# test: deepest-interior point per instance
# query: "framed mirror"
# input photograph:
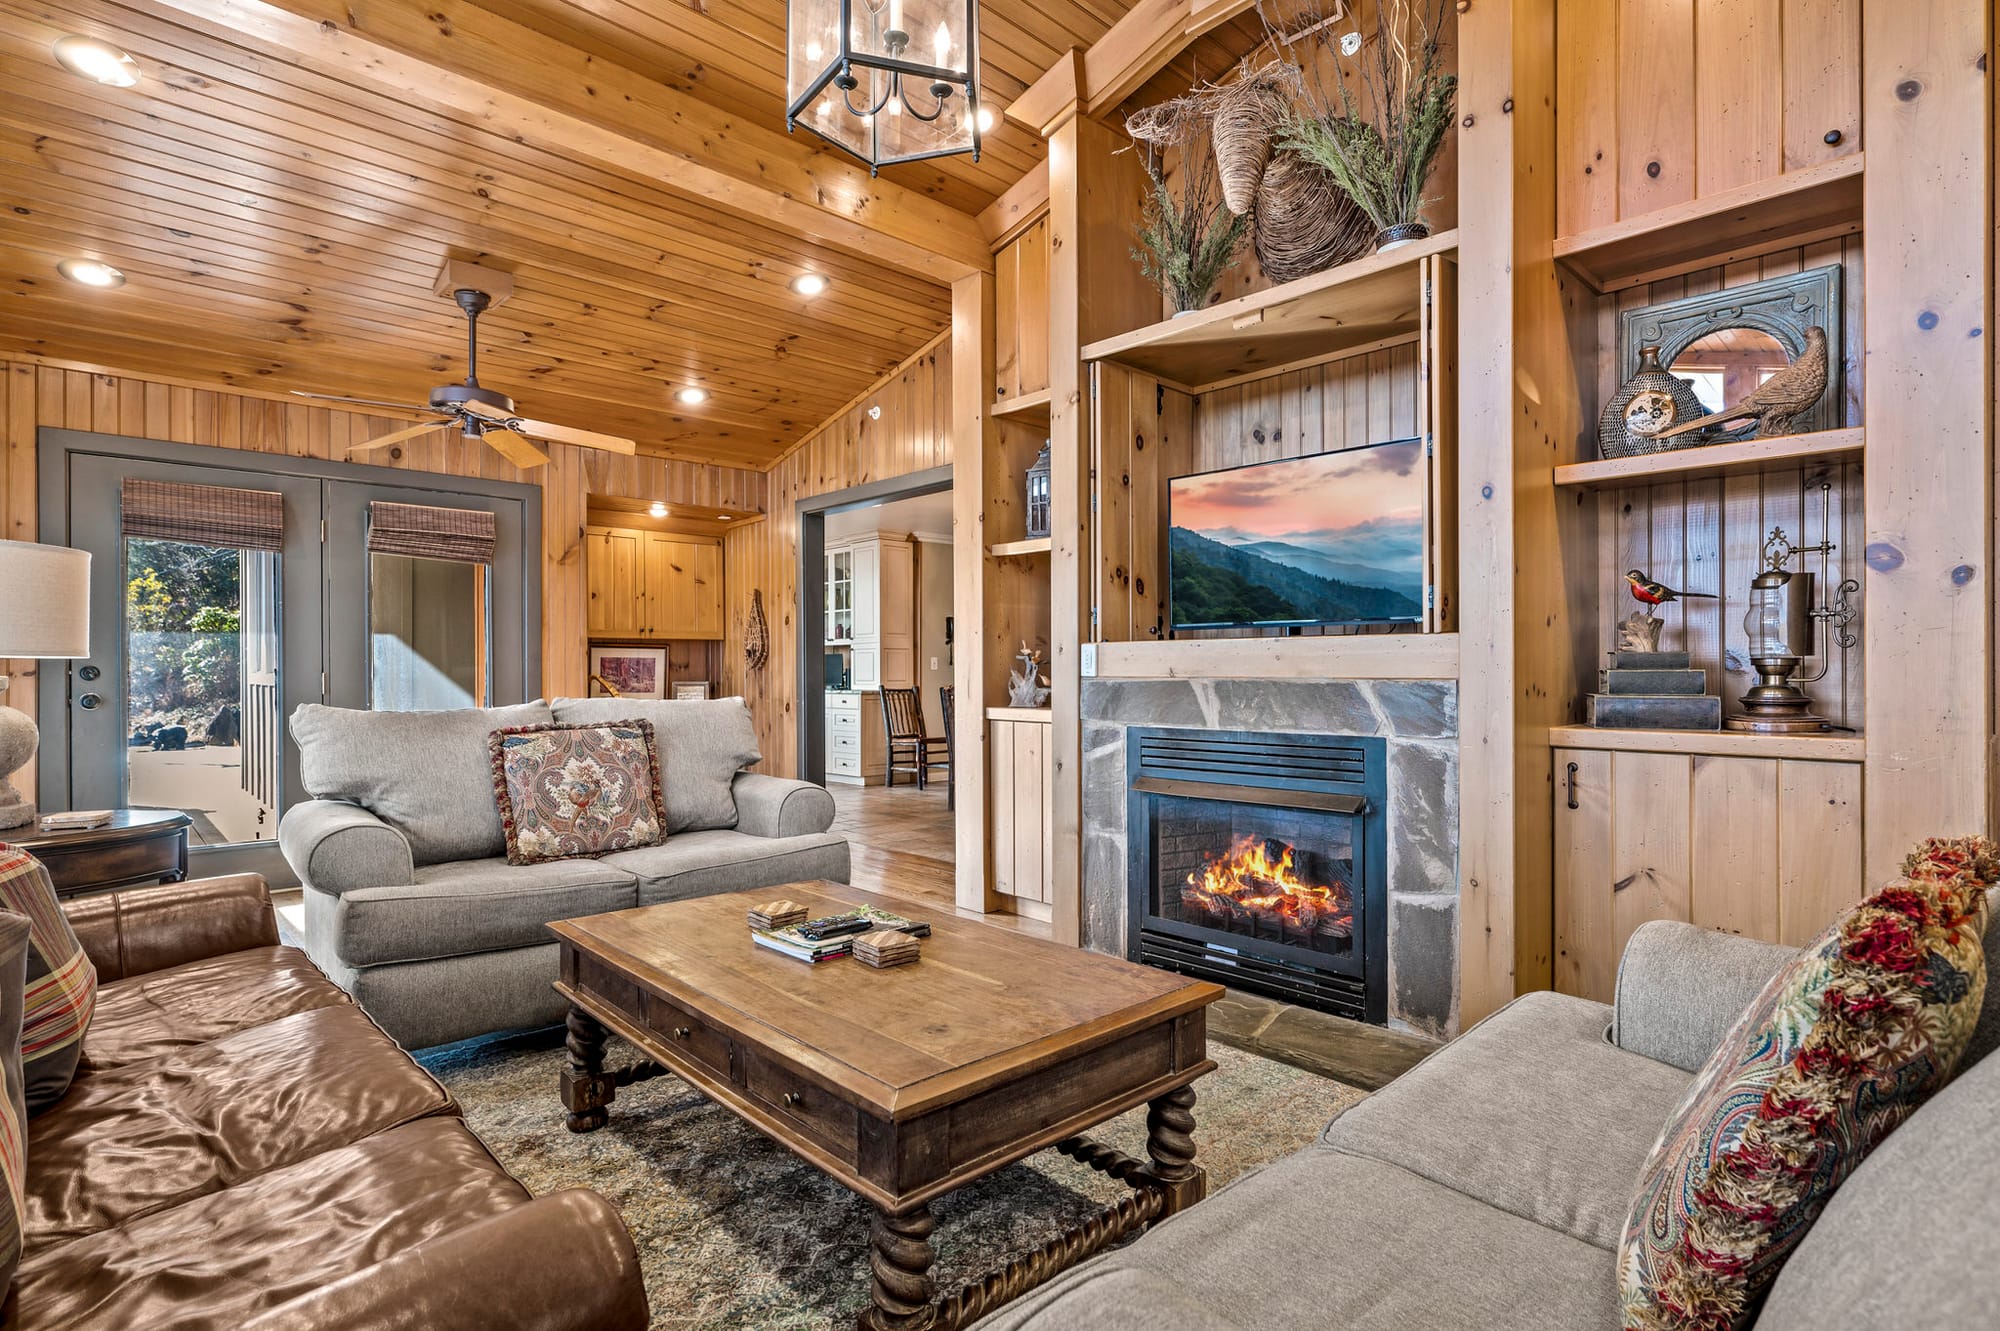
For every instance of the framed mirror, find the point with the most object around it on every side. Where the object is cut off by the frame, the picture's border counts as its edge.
(1726, 343)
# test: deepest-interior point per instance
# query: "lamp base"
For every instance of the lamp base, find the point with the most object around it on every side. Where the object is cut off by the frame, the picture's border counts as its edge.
(18, 739)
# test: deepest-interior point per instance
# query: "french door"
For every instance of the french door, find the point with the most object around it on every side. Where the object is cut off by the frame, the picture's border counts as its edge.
(207, 628)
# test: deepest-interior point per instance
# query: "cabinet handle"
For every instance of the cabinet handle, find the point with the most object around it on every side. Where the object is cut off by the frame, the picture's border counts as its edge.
(1570, 781)
(793, 1097)
(682, 1032)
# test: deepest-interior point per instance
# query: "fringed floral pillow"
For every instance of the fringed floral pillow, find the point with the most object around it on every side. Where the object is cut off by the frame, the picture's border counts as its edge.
(1841, 1046)
(572, 791)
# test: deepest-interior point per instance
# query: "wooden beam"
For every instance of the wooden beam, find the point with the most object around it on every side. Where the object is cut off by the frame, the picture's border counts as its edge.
(972, 431)
(1025, 200)
(509, 80)
(1928, 290)
(1139, 45)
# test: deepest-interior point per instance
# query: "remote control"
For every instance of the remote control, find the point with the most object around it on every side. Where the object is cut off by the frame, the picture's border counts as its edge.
(835, 926)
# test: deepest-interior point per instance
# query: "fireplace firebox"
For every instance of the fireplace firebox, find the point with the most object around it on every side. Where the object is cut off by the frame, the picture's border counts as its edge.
(1257, 860)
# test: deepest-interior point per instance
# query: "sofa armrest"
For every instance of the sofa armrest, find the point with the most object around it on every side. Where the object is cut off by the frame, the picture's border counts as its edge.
(334, 846)
(148, 929)
(560, 1263)
(1681, 987)
(774, 807)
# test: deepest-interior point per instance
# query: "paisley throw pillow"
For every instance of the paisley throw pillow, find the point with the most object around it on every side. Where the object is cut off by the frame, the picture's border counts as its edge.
(1842, 1045)
(573, 791)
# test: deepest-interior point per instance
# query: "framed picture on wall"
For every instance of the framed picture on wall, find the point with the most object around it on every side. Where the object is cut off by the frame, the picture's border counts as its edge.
(628, 672)
(691, 690)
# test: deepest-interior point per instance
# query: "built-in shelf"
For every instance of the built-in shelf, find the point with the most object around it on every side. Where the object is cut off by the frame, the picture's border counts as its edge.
(1033, 715)
(1039, 545)
(1372, 300)
(1332, 656)
(1025, 407)
(1752, 457)
(1840, 748)
(1799, 207)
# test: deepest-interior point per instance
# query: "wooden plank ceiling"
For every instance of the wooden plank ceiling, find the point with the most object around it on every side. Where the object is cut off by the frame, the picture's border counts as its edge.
(280, 210)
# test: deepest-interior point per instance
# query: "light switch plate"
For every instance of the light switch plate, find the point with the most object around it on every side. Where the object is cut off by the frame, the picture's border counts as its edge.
(1087, 660)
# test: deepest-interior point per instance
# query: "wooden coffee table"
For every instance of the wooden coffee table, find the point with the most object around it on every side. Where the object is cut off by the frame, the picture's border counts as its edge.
(905, 1083)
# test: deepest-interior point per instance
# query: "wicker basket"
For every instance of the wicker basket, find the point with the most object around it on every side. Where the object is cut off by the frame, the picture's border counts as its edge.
(1304, 222)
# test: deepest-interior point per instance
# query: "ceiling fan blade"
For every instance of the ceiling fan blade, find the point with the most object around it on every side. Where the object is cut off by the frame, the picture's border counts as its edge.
(363, 401)
(565, 434)
(516, 449)
(397, 436)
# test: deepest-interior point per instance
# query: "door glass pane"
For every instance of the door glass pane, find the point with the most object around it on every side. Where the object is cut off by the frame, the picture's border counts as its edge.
(429, 631)
(201, 668)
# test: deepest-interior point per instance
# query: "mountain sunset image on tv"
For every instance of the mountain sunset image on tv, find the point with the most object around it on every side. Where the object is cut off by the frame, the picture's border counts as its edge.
(1335, 538)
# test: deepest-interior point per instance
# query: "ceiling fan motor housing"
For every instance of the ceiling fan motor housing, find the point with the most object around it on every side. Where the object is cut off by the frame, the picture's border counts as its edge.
(445, 397)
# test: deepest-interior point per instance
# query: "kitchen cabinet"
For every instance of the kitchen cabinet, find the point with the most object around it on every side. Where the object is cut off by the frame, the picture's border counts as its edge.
(653, 585)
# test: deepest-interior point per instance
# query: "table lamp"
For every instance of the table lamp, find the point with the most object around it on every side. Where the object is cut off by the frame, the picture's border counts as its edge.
(44, 613)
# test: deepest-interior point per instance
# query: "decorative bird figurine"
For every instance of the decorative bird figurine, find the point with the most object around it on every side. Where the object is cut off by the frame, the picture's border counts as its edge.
(1647, 592)
(1778, 402)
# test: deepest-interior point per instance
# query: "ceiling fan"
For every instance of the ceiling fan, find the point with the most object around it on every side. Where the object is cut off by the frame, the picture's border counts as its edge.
(480, 413)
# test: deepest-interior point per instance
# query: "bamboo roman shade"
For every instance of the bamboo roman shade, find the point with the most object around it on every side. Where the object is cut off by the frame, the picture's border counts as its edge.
(423, 532)
(202, 514)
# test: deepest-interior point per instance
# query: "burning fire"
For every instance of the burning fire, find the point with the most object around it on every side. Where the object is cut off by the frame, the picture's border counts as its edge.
(1249, 886)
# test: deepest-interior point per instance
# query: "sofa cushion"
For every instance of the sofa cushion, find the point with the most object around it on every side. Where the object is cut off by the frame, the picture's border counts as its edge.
(466, 906)
(131, 1141)
(156, 1013)
(61, 982)
(702, 746)
(426, 774)
(572, 791)
(699, 864)
(13, 1106)
(1843, 1044)
(1912, 1239)
(1502, 1114)
(1326, 1239)
(216, 1260)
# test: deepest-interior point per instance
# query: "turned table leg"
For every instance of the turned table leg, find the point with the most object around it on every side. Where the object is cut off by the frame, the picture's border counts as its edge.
(900, 1257)
(586, 1089)
(1170, 1143)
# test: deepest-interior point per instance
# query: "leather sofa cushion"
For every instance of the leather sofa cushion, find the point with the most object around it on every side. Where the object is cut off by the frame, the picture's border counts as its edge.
(217, 1260)
(466, 906)
(156, 1014)
(131, 1141)
(426, 774)
(699, 864)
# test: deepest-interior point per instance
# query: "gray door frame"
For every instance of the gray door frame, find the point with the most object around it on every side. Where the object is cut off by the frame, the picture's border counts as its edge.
(812, 513)
(517, 628)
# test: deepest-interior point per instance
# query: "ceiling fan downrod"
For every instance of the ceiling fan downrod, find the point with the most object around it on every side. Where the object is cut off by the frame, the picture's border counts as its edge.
(474, 303)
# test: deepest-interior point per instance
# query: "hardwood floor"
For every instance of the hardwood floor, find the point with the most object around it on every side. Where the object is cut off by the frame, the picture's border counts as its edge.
(900, 839)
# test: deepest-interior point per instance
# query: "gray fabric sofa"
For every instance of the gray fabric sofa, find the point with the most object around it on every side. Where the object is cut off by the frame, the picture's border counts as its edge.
(1486, 1189)
(411, 905)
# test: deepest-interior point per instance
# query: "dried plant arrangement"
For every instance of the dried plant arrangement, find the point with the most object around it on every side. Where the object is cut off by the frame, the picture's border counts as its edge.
(1188, 236)
(1379, 130)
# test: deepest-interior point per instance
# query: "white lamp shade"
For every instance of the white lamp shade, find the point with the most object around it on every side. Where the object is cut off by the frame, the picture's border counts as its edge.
(44, 600)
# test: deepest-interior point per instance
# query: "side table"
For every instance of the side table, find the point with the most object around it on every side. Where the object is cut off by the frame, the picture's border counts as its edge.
(136, 846)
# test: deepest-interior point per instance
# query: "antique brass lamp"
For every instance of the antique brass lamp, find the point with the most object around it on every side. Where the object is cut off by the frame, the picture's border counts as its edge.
(1782, 624)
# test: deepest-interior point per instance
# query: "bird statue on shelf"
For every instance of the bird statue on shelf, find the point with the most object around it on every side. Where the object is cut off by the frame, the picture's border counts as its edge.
(1778, 402)
(1647, 592)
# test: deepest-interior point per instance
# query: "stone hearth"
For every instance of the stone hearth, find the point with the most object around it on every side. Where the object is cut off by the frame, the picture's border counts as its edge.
(1419, 721)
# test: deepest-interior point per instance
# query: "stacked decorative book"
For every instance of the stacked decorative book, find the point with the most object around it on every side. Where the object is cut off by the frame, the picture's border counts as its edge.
(1654, 691)
(798, 938)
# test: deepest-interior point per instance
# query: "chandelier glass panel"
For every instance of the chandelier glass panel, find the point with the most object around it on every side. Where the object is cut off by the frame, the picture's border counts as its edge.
(888, 80)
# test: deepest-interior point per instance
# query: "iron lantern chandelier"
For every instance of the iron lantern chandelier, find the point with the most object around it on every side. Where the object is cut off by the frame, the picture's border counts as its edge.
(888, 80)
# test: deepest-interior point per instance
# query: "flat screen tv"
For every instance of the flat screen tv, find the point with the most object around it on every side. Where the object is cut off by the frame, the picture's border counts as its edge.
(1336, 538)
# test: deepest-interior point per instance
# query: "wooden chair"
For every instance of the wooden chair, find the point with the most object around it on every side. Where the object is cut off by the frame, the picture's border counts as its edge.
(946, 695)
(910, 749)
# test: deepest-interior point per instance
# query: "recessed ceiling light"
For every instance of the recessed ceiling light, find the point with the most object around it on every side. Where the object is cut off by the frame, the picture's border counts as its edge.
(692, 397)
(91, 273)
(722, 517)
(985, 120)
(98, 61)
(658, 510)
(809, 284)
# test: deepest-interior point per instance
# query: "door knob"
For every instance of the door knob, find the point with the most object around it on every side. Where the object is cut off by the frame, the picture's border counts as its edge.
(88, 702)
(88, 674)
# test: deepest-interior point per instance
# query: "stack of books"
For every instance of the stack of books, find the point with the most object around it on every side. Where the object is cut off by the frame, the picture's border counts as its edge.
(885, 947)
(788, 940)
(777, 914)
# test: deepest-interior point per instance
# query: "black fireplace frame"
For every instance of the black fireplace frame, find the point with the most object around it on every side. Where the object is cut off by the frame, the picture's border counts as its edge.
(1343, 775)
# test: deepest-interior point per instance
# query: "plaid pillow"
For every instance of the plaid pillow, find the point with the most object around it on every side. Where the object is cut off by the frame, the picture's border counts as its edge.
(62, 984)
(13, 1112)
(567, 792)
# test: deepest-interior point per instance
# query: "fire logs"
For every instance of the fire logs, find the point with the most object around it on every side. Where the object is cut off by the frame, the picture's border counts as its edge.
(1253, 891)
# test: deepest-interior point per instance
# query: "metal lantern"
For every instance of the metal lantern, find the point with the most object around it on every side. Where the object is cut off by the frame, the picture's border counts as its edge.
(888, 80)
(1038, 494)
(1780, 625)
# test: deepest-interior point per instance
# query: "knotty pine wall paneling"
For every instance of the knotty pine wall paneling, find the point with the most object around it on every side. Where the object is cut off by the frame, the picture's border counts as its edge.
(913, 434)
(36, 395)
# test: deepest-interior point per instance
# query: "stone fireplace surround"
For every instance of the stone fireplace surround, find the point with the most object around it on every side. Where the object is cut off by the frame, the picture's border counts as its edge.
(1419, 721)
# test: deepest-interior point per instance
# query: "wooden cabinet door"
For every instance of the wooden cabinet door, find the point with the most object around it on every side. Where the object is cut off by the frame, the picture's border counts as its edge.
(683, 578)
(615, 581)
(1021, 314)
(867, 572)
(896, 611)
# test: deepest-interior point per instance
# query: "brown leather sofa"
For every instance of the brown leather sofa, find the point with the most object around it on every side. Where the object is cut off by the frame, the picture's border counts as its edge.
(244, 1149)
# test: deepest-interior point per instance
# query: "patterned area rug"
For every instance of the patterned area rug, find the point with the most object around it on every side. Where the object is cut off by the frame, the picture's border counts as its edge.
(735, 1232)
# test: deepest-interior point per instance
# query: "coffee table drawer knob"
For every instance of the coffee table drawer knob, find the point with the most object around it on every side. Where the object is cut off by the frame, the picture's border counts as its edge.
(682, 1032)
(793, 1097)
